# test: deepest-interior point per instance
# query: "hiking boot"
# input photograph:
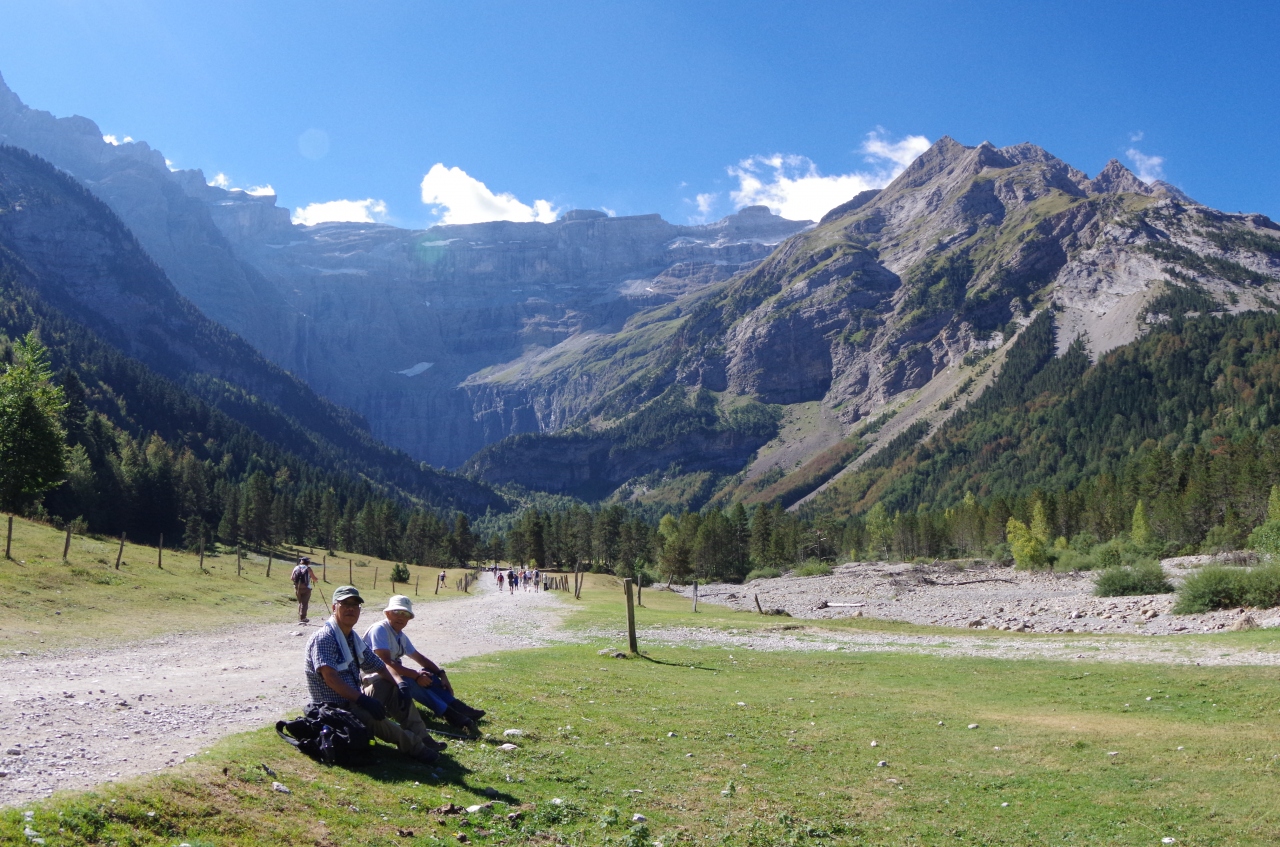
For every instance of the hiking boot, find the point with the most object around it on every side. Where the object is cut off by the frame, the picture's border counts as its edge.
(476, 714)
(427, 755)
(430, 743)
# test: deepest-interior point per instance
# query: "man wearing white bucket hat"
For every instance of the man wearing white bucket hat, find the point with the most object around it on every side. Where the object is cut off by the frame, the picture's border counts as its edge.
(429, 686)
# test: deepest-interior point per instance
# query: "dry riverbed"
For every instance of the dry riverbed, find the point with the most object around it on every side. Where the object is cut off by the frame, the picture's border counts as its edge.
(980, 595)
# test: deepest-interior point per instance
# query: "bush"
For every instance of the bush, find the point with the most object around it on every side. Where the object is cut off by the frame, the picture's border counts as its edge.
(1144, 578)
(1214, 587)
(1073, 560)
(1217, 587)
(1266, 538)
(813, 568)
(400, 572)
(763, 573)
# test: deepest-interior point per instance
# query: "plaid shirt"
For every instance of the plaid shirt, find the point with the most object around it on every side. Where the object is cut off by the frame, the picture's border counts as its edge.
(323, 649)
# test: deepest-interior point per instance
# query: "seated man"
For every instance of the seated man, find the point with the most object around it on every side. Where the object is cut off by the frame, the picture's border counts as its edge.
(429, 686)
(335, 657)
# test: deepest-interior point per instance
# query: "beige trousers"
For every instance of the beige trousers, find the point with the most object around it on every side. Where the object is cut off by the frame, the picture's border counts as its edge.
(403, 726)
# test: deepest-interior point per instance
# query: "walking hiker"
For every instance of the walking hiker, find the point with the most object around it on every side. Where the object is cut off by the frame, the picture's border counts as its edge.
(499, 581)
(303, 579)
(336, 656)
(429, 686)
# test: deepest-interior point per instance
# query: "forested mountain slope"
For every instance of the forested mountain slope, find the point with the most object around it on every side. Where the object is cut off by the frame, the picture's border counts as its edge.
(901, 306)
(64, 245)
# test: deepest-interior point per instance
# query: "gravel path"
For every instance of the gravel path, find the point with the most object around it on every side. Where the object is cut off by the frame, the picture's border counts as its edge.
(81, 717)
(797, 637)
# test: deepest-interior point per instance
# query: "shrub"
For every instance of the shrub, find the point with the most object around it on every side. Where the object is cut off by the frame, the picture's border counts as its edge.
(1073, 560)
(1266, 538)
(399, 572)
(1144, 578)
(1214, 587)
(813, 568)
(763, 573)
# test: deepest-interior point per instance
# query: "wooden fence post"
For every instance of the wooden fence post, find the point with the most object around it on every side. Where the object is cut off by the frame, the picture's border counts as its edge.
(269, 554)
(160, 553)
(375, 580)
(8, 541)
(324, 568)
(695, 595)
(639, 594)
(66, 545)
(416, 580)
(120, 552)
(631, 618)
(350, 579)
(437, 585)
(202, 555)
(239, 553)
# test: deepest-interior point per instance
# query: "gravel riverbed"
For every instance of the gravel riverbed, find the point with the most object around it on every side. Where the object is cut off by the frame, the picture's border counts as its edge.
(979, 595)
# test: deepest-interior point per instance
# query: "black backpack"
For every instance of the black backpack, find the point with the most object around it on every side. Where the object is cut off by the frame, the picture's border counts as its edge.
(328, 733)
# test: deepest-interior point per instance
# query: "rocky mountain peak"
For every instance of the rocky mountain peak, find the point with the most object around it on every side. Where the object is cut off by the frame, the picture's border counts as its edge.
(1115, 178)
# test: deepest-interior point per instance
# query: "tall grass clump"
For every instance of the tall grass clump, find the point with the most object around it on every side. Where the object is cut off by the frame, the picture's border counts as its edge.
(1127, 581)
(763, 573)
(1217, 587)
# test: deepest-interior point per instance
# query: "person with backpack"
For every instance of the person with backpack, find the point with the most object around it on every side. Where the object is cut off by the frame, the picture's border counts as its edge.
(335, 658)
(303, 579)
(429, 686)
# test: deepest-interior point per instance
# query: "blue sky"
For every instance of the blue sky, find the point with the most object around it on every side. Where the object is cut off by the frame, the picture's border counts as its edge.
(652, 107)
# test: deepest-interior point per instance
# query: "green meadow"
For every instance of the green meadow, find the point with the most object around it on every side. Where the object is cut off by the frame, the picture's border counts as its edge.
(739, 747)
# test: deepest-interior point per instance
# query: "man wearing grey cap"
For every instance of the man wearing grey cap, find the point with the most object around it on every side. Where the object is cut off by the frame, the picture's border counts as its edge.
(336, 656)
(429, 686)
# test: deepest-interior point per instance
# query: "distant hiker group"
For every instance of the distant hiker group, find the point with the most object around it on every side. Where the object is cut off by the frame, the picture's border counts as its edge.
(362, 683)
(513, 579)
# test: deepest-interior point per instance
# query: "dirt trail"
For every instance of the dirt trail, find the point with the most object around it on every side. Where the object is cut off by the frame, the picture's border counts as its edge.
(82, 717)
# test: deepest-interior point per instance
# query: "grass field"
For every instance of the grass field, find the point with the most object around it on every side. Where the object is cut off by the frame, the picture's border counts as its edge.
(767, 749)
(47, 603)
(721, 746)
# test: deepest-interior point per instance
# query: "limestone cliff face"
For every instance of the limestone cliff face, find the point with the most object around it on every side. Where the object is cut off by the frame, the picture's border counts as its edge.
(390, 322)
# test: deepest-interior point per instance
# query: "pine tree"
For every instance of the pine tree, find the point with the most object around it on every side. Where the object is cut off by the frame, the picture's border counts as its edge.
(33, 455)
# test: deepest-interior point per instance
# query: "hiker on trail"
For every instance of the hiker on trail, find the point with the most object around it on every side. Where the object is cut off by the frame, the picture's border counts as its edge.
(537, 580)
(303, 579)
(336, 656)
(429, 686)
(499, 581)
(444, 577)
(511, 581)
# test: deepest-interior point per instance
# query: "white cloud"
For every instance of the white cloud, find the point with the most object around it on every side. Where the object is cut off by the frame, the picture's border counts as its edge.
(610, 212)
(221, 180)
(463, 199)
(353, 211)
(705, 202)
(793, 187)
(1135, 137)
(1150, 168)
(116, 142)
